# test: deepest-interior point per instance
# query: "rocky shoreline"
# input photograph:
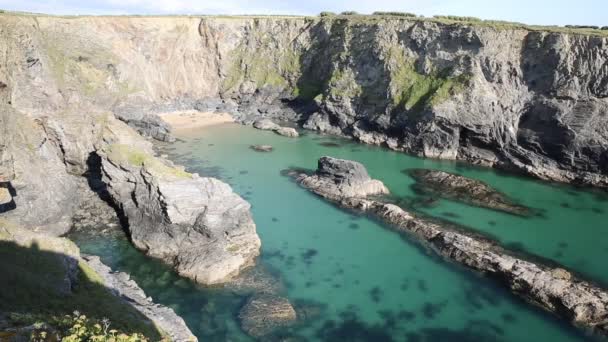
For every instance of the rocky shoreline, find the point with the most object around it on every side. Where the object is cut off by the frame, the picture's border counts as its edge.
(124, 287)
(554, 289)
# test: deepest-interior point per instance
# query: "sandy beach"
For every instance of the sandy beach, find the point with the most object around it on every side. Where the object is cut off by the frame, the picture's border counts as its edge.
(184, 120)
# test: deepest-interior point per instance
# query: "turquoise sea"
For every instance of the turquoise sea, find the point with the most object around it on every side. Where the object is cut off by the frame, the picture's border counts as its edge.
(366, 282)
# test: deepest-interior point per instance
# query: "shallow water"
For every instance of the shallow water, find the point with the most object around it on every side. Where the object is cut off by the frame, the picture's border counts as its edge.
(369, 283)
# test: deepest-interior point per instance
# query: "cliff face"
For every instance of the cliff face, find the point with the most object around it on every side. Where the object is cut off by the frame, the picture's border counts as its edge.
(65, 85)
(531, 101)
(526, 100)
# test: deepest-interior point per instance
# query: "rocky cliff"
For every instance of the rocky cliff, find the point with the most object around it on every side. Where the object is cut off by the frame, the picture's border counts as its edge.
(523, 99)
(67, 86)
(526, 100)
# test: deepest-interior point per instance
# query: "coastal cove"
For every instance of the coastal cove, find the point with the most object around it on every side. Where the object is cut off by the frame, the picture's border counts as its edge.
(353, 277)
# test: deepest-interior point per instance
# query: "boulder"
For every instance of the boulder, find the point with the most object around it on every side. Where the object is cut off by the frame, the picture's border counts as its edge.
(339, 178)
(264, 313)
(458, 188)
(266, 124)
(288, 132)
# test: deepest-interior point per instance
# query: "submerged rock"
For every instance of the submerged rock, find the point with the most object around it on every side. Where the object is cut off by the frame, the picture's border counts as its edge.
(463, 189)
(264, 313)
(554, 289)
(122, 285)
(261, 148)
(343, 178)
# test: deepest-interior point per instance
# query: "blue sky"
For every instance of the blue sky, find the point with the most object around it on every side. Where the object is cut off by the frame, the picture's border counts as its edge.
(542, 12)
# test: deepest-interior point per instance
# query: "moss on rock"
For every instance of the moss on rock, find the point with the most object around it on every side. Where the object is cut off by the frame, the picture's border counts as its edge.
(128, 155)
(412, 90)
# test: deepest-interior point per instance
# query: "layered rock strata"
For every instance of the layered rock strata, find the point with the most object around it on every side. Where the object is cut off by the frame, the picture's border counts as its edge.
(458, 188)
(525, 99)
(554, 289)
(196, 224)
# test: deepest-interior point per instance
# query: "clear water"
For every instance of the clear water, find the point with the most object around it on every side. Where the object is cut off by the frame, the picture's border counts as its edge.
(370, 283)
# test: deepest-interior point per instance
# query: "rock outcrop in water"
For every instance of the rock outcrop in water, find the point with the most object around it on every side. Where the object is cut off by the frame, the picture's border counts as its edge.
(343, 178)
(268, 125)
(553, 289)
(458, 188)
(196, 224)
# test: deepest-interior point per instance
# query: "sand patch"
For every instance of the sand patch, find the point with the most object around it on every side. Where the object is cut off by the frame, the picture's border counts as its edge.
(190, 119)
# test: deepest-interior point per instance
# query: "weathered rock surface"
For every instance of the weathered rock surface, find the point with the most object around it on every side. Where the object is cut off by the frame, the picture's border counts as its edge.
(261, 148)
(289, 132)
(530, 101)
(268, 125)
(264, 313)
(553, 289)
(124, 287)
(343, 178)
(458, 188)
(198, 225)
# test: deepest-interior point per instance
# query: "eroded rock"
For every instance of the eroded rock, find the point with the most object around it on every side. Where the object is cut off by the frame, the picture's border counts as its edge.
(288, 132)
(554, 289)
(339, 178)
(196, 224)
(458, 188)
(268, 125)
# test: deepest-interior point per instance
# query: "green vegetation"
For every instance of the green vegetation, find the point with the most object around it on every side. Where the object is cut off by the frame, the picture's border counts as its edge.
(349, 13)
(263, 65)
(133, 156)
(450, 19)
(308, 90)
(327, 14)
(72, 328)
(457, 18)
(414, 91)
(343, 84)
(31, 281)
(395, 14)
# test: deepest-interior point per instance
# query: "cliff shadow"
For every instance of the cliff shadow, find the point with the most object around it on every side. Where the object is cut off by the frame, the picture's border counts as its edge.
(94, 175)
(39, 285)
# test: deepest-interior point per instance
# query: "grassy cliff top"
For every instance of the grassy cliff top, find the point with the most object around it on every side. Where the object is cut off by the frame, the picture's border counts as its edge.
(364, 18)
